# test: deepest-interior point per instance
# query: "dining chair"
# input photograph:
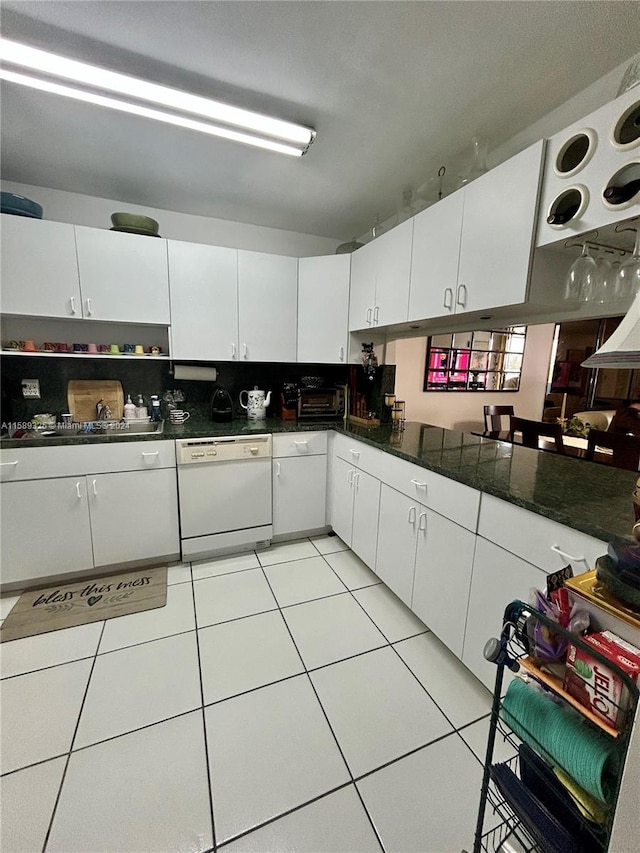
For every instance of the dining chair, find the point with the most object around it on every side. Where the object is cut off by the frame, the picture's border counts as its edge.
(625, 448)
(532, 431)
(493, 418)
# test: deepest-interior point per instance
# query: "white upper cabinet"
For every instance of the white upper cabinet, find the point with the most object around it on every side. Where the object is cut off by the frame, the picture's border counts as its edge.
(323, 308)
(203, 283)
(267, 306)
(123, 277)
(380, 274)
(498, 228)
(434, 258)
(39, 268)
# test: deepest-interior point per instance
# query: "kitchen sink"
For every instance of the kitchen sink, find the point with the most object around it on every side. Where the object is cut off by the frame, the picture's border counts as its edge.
(92, 429)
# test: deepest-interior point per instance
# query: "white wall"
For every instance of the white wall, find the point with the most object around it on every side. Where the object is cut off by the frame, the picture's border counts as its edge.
(96, 212)
(463, 409)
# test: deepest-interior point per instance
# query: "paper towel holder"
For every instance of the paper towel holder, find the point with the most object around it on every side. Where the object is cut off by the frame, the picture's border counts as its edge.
(192, 372)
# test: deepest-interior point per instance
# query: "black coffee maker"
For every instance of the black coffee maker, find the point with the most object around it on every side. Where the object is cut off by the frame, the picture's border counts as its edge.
(221, 406)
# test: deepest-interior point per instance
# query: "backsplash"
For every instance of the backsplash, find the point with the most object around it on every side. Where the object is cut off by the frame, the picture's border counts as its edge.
(150, 376)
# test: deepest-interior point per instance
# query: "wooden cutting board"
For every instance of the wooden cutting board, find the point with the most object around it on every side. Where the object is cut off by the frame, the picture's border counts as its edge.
(83, 396)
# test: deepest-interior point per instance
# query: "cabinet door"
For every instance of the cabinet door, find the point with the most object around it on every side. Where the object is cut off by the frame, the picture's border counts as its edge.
(299, 494)
(498, 578)
(397, 529)
(342, 499)
(362, 293)
(393, 275)
(267, 305)
(366, 508)
(497, 233)
(323, 309)
(434, 258)
(134, 515)
(123, 277)
(45, 529)
(444, 560)
(203, 285)
(39, 268)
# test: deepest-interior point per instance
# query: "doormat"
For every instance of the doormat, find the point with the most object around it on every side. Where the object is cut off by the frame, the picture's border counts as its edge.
(67, 605)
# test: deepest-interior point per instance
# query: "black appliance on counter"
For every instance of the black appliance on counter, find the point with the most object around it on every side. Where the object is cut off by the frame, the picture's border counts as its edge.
(221, 406)
(320, 403)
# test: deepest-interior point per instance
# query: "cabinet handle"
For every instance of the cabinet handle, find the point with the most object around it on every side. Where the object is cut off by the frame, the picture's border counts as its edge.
(244, 350)
(277, 469)
(5, 464)
(376, 312)
(233, 350)
(355, 452)
(356, 480)
(73, 304)
(151, 453)
(411, 518)
(89, 308)
(419, 485)
(462, 302)
(350, 474)
(78, 491)
(95, 491)
(448, 303)
(369, 316)
(341, 353)
(423, 517)
(301, 441)
(569, 557)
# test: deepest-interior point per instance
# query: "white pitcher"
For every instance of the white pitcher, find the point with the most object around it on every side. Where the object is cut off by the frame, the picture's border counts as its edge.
(256, 404)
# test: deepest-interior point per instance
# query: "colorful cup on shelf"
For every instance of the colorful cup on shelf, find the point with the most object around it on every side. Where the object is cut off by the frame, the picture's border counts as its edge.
(139, 350)
(18, 346)
(62, 346)
(80, 347)
(29, 346)
(129, 349)
(92, 349)
(48, 346)
(103, 348)
(154, 350)
(114, 349)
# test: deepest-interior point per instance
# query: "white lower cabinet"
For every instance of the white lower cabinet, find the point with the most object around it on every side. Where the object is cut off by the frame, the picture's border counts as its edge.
(444, 563)
(62, 525)
(397, 539)
(45, 528)
(299, 494)
(498, 578)
(355, 507)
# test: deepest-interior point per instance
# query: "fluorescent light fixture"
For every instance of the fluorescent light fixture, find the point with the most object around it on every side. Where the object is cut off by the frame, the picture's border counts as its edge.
(98, 85)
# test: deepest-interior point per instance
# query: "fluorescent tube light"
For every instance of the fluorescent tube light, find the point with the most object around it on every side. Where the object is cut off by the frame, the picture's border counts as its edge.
(263, 131)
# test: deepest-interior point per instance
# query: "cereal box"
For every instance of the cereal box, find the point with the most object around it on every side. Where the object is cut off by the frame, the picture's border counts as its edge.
(597, 686)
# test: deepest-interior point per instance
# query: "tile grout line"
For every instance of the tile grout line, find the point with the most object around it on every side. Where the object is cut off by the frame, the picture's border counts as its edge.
(73, 737)
(204, 721)
(313, 687)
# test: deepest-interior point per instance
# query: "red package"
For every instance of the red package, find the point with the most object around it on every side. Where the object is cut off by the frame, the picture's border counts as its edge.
(595, 685)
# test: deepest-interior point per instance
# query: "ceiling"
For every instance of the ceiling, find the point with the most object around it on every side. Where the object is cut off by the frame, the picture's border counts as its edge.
(394, 90)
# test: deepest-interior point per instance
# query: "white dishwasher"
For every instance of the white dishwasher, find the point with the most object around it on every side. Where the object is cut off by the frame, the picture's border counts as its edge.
(224, 487)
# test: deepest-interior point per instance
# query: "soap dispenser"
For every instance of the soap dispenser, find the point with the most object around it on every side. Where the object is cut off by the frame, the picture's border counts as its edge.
(141, 409)
(129, 409)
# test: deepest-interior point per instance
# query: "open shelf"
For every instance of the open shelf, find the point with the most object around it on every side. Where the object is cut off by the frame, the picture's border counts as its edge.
(32, 353)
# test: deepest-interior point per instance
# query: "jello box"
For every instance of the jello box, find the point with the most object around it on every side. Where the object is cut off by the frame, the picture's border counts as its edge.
(597, 686)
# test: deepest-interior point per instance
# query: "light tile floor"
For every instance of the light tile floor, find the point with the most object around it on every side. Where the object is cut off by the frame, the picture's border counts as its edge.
(283, 700)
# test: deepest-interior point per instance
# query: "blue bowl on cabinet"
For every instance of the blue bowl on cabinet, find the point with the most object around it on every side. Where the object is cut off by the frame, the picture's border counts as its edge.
(19, 205)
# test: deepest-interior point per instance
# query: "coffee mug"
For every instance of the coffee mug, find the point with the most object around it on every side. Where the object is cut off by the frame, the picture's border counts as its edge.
(155, 350)
(17, 345)
(92, 348)
(80, 347)
(29, 346)
(114, 349)
(128, 349)
(178, 416)
(62, 346)
(49, 347)
(103, 347)
(139, 350)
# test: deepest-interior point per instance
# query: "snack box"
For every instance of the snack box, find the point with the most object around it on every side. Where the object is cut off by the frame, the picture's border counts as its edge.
(596, 686)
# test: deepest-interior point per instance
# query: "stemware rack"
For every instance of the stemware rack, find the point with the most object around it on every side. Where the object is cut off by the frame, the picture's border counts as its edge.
(501, 825)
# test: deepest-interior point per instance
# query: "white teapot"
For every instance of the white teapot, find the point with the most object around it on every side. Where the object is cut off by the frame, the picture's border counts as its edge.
(256, 404)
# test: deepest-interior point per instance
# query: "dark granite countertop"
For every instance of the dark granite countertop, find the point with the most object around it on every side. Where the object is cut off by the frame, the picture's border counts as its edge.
(595, 499)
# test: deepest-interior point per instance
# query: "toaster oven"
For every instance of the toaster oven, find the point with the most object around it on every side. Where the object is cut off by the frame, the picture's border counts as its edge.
(320, 403)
